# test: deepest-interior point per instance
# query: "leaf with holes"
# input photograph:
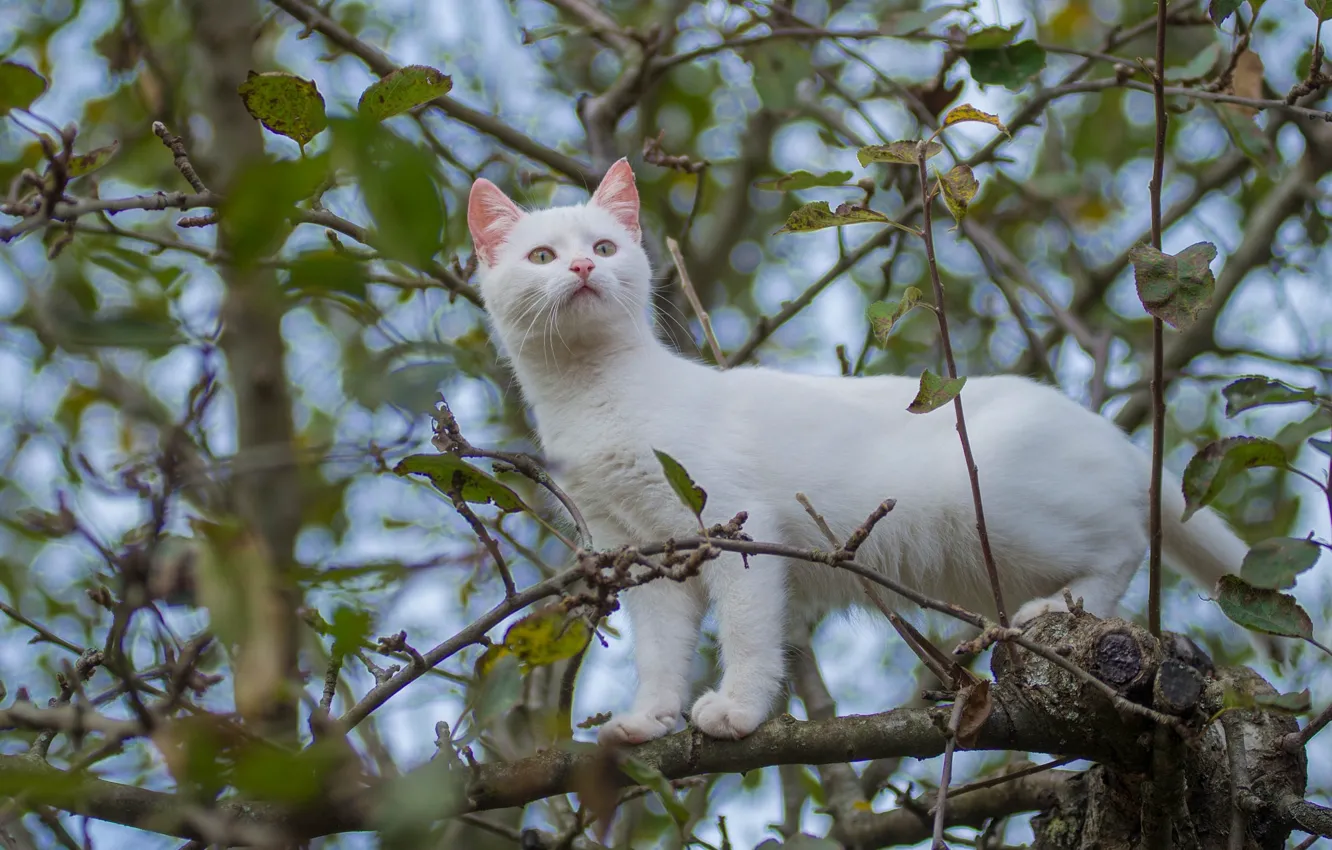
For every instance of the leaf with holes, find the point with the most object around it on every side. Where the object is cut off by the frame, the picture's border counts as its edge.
(883, 316)
(403, 90)
(649, 777)
(1257, 390)
(1212, 468)
(959, 188)
(1010, 67)
(19, 86)
(1276, 562)
(546, 636)
(935, 392)
(1292, 703)
(451, 473)
(905, 152)
(286, 104)
(975, 712)
(818, 215)
(1262, 610)
(1174, 288)
(967, 112)
(693, 496)
(798, 180)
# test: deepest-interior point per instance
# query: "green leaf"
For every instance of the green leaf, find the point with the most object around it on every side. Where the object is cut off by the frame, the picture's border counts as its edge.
(649, 777)
(263, 197)
(1174, 288)
(350, 628)
(991, 37)
(797, 180)
(967, 112)
(546, 636)
(19, 86)
(904, 152)
(1197, 68)
(497, 693)
(1321, 8)
(1324, 446)
(1245, 133)
(935, 392)
(1261, 610)
(1010, 67)
(959, 188)
(693, 496)
(319, 273)
(1219, 10)
(86, 163)
(1274, 563)
(884, 315)
(1212, 468)
(778, 70)
(1253, 391)
(403, 90)
(285, 103)
(448, 473)
(818, 215)
(398, 180)
(1292, 703)
(413, 387)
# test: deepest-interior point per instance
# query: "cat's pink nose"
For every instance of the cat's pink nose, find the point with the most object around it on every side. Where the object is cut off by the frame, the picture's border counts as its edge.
(582, 267)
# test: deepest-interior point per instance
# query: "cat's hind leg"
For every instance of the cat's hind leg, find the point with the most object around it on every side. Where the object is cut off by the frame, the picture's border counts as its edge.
(1100, 593)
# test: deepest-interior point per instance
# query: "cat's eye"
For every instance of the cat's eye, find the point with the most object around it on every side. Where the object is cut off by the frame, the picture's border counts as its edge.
(542, 256)
(604, 248)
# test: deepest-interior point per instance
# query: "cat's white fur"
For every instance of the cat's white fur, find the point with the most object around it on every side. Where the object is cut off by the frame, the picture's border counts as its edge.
(1064, 490)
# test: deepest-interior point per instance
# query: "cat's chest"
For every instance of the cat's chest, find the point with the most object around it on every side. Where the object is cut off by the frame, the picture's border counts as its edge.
(600, 460)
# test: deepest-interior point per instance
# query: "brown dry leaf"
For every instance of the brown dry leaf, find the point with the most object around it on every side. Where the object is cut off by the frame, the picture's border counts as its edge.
(597, 786)
(975, 712)
(1247, 80)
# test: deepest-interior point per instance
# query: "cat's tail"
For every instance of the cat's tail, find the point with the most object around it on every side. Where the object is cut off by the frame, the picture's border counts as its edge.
(1206, 548)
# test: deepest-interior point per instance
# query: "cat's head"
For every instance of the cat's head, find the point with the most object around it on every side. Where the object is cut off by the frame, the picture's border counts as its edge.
(562, 277)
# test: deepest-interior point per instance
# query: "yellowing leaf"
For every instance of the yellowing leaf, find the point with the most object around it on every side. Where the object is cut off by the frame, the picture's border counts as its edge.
(905, 151)
(967, 112)
(935, 392)
(403, 90)
(450, 473)
(883, 315)
(86, 163)
(286, 104)
(818, 215)
(959, 188)
(547, 636)
(797, 180)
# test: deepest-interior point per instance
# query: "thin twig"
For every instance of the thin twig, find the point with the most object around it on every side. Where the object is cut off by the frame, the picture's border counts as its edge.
(1295, 741)
(927, 229)
(479, 529)
(1233, 724)
(688, 286)
(1158, 342)
(991, 781)
(43, 633)
(946, 775)
(182, 159)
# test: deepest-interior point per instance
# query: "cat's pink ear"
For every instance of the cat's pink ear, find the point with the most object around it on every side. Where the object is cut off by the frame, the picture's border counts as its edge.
(618, 195)
(490, 217)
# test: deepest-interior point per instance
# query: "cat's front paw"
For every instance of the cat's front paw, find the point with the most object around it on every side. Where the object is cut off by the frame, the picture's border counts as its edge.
(719, 716)
(637, 727)
(1037, 607)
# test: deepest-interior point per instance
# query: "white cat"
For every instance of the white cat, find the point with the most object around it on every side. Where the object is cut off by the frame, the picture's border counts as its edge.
(1064, 490)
